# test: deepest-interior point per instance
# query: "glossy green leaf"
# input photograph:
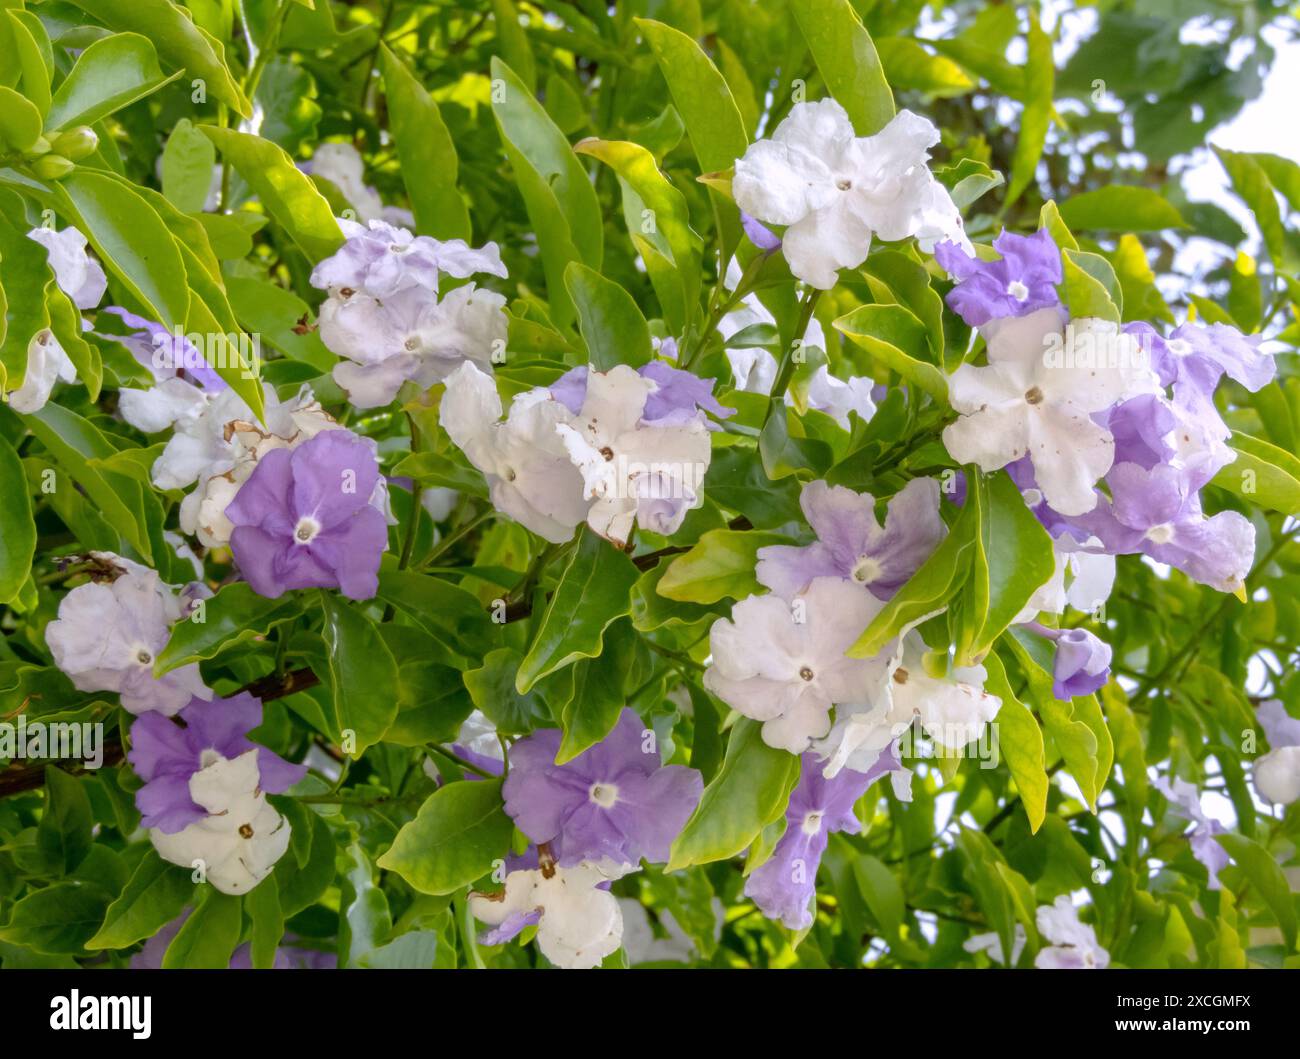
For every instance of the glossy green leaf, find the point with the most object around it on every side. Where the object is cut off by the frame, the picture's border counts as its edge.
(846, 56)
(362, 674)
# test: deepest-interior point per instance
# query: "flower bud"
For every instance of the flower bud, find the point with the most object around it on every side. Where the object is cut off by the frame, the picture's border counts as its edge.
(52, 167)
(76, 143)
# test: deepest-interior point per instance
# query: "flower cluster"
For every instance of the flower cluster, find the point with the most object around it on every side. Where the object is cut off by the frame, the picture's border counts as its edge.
(613, 449)
(592, 819)
(385, 314)
(204, 795)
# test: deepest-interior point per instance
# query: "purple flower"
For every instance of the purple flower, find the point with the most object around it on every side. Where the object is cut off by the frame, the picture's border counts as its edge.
(613, 800)
(783, 886)
(165, 353)
(1022, 281)
(1280, 728)
(850, 542)
(759, 234)
(1198, 357)
(678, 398)
(1082, 663)
(1157, 512)
(304, 519)
(165, 755)
(1185, 801)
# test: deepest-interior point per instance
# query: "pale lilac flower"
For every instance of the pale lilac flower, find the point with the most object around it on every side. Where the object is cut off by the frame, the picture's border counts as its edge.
(1277, 773)
(578, 920)
(1021, 281)
(784, 885)
(242, 836)
(834, 190)
(108, 636)
(78, 275)
(1074, 945)
(524, 460)
(1280, 728)
(1082, 661)
(1158, 513)
(850, 542)
(304, 519)
(165, 755)
(615, 801)
(643, 945)
(1185, 801)
(380, 260)
(783, 662)
(678, 398)
(1199, 356)
(992, 944)
(1037, 397)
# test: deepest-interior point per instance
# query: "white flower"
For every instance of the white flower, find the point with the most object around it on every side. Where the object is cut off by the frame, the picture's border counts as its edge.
(952, 710)
(108, 635)
(784, 663)
(78, 275)
(634, 472)
(524, 460)
(478, 735)
(242, 837)
(578, 924)
(46, 364)
(439, 501)
(161, 406)
(643, 946)
(837, 398)
(754, 369)
(835, 190)
(1083, 579)
(1033, 399)
(1277, 775)
(1074, 944)
(342, 166)
(992, 944)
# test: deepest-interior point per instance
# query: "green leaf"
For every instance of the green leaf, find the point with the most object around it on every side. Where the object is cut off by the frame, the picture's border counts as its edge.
(1012, 558)
(187, 162)
(847, 59)
(1121, 209)
(427, 153)
(879, 329)
(452, 616)
(156, 894)
(362, 673)
(1040, 86)
(908, 65)
(880, 889)
(670, 233)
(1020, 740)
(286, 192)
(24, 278)
(513, 42)
(749, 792)
(74, 443)
(926, 591)
(207, 939)
(560, 199)
(57, 919)
(1262, 474)
(700, 94)
(595, 588)
(17, 529)
(720, 565)
(262, 903)
(20, 121)
(608, 317)
(1089, 287)
(113, 72)
(32, 48)
(1252, 185)
(455, 838)
(177, 39)
(597, 700)
(235, 615)
(492, 687)
(1268, 879)
(64, 834)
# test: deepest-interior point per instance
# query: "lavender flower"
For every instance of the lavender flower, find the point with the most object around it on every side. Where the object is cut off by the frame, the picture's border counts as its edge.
(304, 519)
(1074, 944)
(1022, 280)
(1185, 801)
(613, 801)
(1198, 357)
(165, 755)
(1082, 663)
(783, 886)
(850, 542)
(679, 397)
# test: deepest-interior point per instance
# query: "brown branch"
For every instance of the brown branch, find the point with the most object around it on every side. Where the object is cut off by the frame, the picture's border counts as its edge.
(19, 778)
